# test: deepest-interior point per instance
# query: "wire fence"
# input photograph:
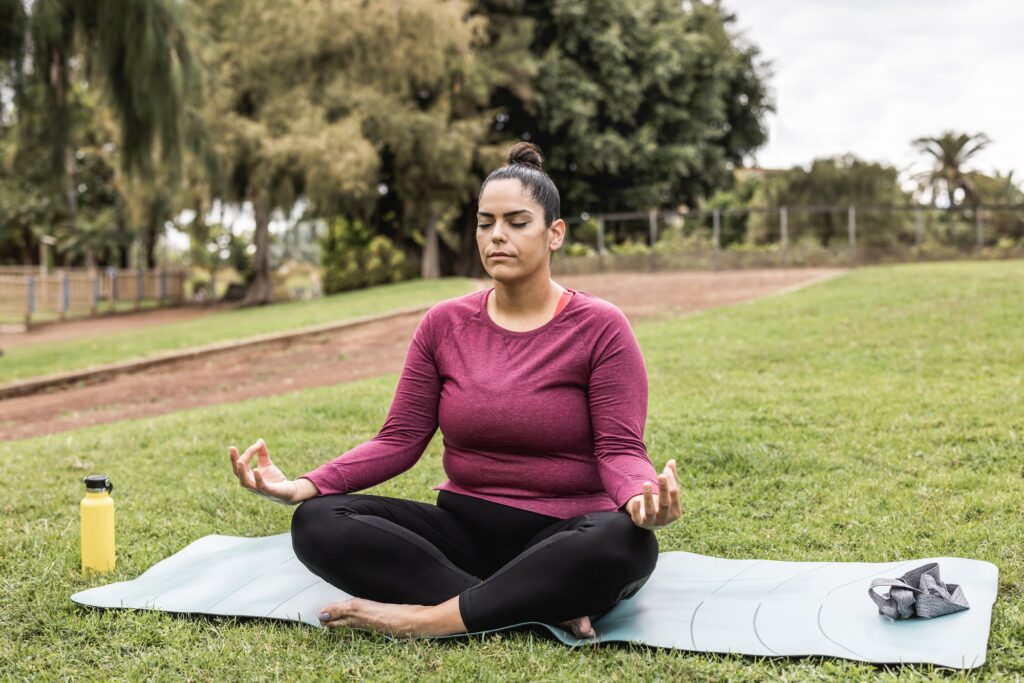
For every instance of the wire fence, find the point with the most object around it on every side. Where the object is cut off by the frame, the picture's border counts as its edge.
(28, 295)
(848, 235)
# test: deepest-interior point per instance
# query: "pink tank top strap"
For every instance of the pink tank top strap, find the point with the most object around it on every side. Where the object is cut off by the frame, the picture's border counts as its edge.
(562, 300)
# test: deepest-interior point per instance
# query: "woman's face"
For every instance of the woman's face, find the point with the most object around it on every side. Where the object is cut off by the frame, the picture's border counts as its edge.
(513, 241)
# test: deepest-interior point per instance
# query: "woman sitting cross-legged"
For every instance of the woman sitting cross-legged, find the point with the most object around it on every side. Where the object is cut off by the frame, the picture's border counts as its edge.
(540, 393)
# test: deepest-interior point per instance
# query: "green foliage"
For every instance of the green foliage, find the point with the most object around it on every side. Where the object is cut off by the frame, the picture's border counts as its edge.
(950, 152)
(354, 257)
(735, 225)
(577, 249)
(837, 182)
(630, 246)
(641, 104)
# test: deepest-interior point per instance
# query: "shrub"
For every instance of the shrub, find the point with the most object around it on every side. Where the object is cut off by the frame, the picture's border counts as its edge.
(354, 257)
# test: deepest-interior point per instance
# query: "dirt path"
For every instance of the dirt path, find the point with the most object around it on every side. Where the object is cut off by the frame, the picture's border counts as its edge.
(88, 327)
(352, 354)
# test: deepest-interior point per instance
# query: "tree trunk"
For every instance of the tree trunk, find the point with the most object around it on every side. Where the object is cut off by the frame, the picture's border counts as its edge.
(58, 81)
(430, 264)
(468, 262)
(27, 252)
(261, 289)
(149, 239)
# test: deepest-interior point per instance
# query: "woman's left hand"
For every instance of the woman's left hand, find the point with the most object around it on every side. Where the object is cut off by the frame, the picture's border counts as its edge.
(651, 510)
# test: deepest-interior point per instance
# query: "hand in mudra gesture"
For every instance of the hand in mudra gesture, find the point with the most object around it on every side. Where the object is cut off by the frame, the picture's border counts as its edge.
(265, 479)
(656, 510)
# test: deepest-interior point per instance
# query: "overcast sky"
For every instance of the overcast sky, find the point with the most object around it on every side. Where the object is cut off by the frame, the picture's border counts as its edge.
(869, 76)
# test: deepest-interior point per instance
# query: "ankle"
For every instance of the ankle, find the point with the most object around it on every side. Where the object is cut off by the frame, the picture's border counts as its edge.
(440, 620)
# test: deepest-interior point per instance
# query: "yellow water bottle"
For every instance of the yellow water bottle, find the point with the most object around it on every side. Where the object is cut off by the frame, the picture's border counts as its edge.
(97, 525)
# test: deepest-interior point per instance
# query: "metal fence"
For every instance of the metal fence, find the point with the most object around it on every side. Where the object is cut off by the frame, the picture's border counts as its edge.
(788, 236)
(28, 295)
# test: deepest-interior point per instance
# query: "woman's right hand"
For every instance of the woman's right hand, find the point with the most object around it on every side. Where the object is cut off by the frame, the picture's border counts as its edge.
(266, 479)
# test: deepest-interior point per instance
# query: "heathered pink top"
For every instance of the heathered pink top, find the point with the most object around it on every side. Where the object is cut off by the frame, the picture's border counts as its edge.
(550, 420)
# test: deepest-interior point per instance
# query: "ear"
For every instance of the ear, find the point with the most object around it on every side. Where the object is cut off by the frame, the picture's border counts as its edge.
(557, 236)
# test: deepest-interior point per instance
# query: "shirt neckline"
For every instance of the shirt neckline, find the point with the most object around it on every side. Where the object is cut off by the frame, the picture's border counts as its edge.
(526, 333)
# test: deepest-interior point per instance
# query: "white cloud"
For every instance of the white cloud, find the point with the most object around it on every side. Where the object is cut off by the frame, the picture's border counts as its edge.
(868, 77)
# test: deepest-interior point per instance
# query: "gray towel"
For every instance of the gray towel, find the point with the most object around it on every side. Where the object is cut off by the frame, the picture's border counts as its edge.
(918, 593)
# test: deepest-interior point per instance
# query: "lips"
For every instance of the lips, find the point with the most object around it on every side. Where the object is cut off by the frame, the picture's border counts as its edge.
(499, 255)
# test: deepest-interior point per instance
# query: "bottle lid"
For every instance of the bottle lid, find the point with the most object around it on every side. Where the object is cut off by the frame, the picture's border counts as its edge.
(98, 483)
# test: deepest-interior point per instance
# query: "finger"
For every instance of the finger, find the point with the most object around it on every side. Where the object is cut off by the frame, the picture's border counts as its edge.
(649, 506)
(675, 508)
(634, 511)
(233, 452)
(244, 475)
(263, 453)
(250, 452)
(663, 499)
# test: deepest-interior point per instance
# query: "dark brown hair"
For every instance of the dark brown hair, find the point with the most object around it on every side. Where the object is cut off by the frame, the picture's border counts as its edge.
(525, 164)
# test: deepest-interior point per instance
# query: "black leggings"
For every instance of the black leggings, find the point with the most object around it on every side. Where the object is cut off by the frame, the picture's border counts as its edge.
(508, 566)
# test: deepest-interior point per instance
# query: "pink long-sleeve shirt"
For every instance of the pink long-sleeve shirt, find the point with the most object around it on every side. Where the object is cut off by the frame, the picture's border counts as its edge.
(550, 420)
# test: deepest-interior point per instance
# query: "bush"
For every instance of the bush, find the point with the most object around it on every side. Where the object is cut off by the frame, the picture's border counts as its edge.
(354, 257)
(577, 249)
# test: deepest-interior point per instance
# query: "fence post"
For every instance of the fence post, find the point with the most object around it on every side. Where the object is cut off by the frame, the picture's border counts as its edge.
(31, 308)
(716, 234)
(138, 288)
(784, 233)
(163, 285)
(980, 226)
(652, 228)
(851, 221)
(64, 294)
(95, 293)
(600, 243)
(917, 227)
(113, 288)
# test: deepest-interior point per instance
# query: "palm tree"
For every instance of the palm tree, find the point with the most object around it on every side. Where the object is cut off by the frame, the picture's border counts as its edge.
(950, 152)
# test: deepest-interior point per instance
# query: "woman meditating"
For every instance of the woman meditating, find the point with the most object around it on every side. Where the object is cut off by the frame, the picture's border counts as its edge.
(540, 393)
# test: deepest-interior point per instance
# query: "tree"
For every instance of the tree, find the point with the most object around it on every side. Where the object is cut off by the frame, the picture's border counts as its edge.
(138, 54)
(299, 84)
(950, 153)
(635, 105)
(832, 182)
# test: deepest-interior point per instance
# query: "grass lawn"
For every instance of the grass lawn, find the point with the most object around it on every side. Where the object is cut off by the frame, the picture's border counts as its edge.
(41, 359)
(875, 417)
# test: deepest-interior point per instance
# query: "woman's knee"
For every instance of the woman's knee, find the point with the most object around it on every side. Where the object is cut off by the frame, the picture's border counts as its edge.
(625, 548)
(316, 522)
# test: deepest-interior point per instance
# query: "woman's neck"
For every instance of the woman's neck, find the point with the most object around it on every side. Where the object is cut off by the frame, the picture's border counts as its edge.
(525, 298)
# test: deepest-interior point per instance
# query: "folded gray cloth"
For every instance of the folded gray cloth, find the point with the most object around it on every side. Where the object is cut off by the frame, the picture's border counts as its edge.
(918, 593)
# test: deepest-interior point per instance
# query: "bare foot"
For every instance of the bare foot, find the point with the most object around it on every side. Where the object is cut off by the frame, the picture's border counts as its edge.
(392, 619)
(579, 627)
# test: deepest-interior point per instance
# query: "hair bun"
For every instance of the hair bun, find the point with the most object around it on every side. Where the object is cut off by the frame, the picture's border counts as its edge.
(527, 154)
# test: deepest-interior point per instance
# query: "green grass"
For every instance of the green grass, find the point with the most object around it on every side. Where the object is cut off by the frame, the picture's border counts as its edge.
(874, 417)
(41, 359)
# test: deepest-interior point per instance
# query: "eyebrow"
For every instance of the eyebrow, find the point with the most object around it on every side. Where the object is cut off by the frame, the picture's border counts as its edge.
(507, 215)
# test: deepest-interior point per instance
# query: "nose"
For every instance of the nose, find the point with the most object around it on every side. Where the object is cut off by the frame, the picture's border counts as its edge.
(498, 232)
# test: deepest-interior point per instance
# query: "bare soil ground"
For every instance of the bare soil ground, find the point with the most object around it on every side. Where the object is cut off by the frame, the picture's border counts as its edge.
(351, 354)
(104, 324)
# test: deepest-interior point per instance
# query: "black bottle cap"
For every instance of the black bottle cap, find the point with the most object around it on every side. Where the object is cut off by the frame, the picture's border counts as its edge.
(99, 482)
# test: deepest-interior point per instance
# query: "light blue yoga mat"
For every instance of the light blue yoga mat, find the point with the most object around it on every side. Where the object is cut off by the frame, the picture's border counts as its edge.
(691, 602)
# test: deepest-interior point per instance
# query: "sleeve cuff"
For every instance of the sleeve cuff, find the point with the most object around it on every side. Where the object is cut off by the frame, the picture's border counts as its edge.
(633, 487)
